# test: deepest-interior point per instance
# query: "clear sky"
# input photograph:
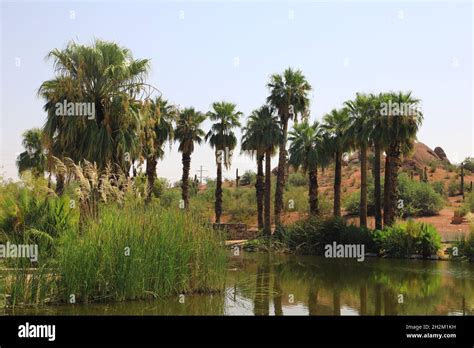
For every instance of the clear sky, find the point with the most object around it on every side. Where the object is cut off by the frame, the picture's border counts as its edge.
(206, 51)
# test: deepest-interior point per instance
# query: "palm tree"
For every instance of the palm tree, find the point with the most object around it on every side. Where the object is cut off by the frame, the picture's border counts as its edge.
(262, 136)
(378, 134)
(222, 138)
(335, 126)
(187, 133)
(305, 151)
(108, 80)
(289, 95)
(401, 129)
(34, 158)
(158, 120)
(360, 110)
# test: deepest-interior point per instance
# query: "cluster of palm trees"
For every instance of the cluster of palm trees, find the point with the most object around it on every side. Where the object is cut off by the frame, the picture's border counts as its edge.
(130, 126)
(361, 124)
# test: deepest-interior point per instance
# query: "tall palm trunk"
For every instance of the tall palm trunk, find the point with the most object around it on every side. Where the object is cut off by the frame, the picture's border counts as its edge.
(377, 187)
(268, 193)
(280, 185)
(60, 184)
(151, 175)
(337, 184)
(390, 187)
(218, 202)
(313, 191)
(363, 186)
(186, 160)
(259, 188)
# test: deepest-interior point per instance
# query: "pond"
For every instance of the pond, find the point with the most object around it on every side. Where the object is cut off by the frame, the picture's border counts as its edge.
(269, 284)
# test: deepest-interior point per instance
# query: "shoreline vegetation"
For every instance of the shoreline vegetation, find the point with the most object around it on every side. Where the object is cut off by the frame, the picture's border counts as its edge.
(109, 229)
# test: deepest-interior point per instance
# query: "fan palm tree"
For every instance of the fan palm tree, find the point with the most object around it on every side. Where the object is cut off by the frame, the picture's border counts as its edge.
(360, 110)
(289, 95)
(378, 133)
(34, 156)
(401, 129)
(335, 125)
(305, 152)
(107, 78)
(158, 128)
(262, 136)
(221, 137)
(188, 131)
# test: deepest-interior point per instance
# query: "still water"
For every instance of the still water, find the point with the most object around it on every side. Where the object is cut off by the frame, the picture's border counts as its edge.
(263, 284)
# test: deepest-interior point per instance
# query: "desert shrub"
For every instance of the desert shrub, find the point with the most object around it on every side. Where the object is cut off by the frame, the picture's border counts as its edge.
(419, 198)
(454, 187)
(409, 238)
(439, 188)
(248, 178)
(468, 205)
(465, 247)
(298, 179)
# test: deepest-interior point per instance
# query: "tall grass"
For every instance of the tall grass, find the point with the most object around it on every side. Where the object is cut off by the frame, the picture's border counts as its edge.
(131, 252)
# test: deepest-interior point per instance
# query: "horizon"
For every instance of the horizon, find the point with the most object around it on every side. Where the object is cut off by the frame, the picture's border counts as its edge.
(193, 64)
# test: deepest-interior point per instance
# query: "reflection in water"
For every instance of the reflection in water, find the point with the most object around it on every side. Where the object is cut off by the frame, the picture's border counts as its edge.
(263, 284)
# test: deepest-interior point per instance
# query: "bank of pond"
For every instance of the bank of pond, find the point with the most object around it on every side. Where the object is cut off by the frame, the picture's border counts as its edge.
(134, 252)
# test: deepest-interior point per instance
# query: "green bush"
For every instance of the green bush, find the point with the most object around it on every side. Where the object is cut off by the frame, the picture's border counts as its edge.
(419, 198)
(311, 235)
(468, 205)
(465, 247)
(298, 179)
(406, 239)
(454, 187)
(248, 178)
(439, 188)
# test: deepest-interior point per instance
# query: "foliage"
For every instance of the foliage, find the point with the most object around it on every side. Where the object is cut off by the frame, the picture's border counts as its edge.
(311, 235)
(419, 198)
(160, 252)
(408, 238)
(248, 178)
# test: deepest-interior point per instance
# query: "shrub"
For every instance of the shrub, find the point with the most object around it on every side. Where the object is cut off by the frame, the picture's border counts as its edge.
(454, 187)
(248, 178)
(311, 235)
(469, 202)
(406, 239)
(439, 188)
(466, 247)
(419, 198)
(298, 179)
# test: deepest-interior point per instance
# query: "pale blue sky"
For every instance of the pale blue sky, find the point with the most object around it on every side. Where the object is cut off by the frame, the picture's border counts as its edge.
(206, 51)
